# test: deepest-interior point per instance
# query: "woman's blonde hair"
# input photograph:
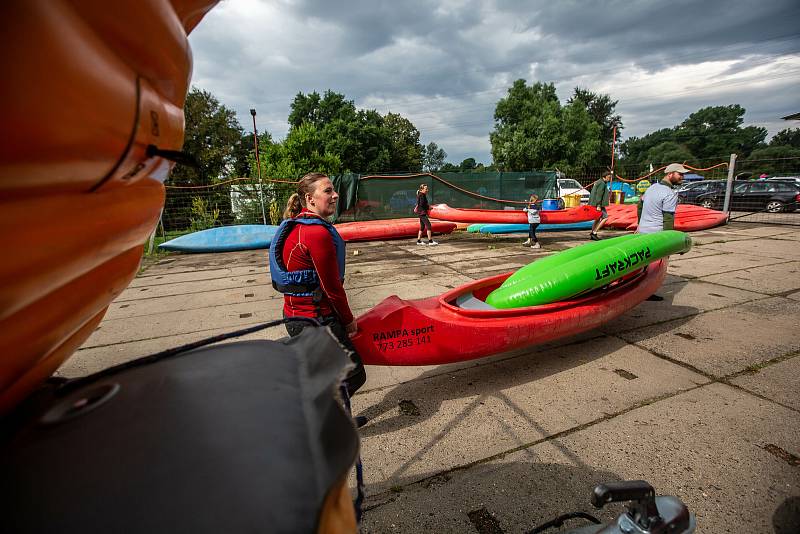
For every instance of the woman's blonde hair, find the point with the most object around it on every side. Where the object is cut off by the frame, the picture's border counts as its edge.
(534, 197)
(419, 189)
(305, 186)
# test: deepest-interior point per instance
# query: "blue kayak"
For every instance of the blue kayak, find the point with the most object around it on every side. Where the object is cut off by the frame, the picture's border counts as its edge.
(515, 228)
(223, 239)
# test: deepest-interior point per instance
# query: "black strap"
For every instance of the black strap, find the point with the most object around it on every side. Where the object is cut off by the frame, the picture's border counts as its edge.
(70, 385)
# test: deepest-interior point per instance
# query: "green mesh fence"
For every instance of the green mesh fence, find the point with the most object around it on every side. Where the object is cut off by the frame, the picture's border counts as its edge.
(392, 197)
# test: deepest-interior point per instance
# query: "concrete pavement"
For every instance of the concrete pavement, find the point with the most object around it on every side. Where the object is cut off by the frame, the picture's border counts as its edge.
(697, 394)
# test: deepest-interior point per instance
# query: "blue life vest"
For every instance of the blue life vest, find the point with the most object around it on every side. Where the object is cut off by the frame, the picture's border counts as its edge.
(305, 282)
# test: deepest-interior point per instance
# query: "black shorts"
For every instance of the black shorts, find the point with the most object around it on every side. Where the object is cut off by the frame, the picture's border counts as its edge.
(424, 223)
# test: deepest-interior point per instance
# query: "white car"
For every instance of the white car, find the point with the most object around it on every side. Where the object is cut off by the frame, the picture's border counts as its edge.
(568, 186)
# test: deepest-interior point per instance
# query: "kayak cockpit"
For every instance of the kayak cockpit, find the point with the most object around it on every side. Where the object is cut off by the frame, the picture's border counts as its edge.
(470, 299)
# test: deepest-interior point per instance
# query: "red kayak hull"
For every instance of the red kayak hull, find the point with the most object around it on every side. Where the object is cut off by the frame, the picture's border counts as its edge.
(388, 229)
(569, 215)
(435, 331)
(688, 218)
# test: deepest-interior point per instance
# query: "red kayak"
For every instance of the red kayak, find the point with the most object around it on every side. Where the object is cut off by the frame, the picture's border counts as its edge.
(457, 325)
(569, 215)
(688, 218)
(388, 229)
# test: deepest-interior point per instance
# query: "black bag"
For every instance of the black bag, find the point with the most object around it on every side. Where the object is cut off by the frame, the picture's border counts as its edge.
(240, 437)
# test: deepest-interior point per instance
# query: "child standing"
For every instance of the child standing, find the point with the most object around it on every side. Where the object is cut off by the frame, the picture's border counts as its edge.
(533, 221)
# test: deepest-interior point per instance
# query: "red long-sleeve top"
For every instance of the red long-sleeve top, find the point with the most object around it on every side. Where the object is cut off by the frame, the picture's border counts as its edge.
(309, 246)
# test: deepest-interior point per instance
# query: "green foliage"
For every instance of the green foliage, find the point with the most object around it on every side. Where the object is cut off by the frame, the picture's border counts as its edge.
(302, 151)
(468, 164)
(533, 131)
(213, 136)
(406, 150)
(787, 137)
(711, 132)
(201, 217)
(774, 160)
(669, 152)
(601, 109)
(433, 157)
(363, 140)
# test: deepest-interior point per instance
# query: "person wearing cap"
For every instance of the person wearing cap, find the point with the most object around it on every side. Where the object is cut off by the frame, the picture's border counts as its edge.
(599, 198)
(656, 207)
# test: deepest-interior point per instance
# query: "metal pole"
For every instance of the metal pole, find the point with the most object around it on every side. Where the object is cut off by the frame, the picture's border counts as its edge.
(729, 187)
(613, 143)
(258, 166)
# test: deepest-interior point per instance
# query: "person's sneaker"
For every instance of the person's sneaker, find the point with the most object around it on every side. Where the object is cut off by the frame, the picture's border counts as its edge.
(536, 245)
(432, 243)
(594, 237)
(655, 298)
(526, 243)
(420, 243)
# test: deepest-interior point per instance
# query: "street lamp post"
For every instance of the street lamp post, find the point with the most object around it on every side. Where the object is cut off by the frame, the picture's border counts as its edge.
(258, 166)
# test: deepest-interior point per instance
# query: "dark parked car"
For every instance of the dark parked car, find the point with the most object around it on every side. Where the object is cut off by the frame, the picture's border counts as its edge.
(688, 193)
(795, 179)
(770, 195)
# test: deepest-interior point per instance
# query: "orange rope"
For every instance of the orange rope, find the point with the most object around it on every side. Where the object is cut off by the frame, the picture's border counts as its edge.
(465, 191)
(617, 177)
(225, 182)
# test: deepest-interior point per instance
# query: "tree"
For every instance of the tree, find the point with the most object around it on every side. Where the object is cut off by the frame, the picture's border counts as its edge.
(710, 133)
(669, 152)
(787, 137)
(243, 152)
(716, 131)
(601, 109)
(774, 160)
(468, 164)
(320, 111)
(433, 157)
(449, 167)
(363, 140)
(214, 137)
(406, 150)
(533, 131)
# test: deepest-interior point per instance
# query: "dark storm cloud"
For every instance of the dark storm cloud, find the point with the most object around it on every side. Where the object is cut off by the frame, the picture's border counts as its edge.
(445, 64)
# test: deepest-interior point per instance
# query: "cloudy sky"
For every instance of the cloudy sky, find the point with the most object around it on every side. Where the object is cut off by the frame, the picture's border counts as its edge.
(444, 64)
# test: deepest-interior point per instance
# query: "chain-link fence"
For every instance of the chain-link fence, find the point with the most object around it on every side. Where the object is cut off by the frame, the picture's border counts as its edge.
(763, 191)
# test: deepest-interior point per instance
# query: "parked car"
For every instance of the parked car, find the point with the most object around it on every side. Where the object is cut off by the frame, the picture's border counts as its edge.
(403, 200)
(688, 193)
(795, 179)
(771, 195)
(568, 186)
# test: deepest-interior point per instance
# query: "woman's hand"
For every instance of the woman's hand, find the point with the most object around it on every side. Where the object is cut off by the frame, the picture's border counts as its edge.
(351, 329)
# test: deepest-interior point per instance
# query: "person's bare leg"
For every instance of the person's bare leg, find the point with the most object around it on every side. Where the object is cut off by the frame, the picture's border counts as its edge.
(430, 235)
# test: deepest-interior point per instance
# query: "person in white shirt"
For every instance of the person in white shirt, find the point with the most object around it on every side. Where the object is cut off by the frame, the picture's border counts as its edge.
(658, 204)
(533, 222)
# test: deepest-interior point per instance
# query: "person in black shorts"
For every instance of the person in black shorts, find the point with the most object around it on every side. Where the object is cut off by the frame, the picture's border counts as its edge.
(421, 209)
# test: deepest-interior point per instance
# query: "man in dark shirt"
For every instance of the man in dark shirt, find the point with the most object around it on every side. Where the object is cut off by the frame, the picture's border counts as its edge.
(599, 198)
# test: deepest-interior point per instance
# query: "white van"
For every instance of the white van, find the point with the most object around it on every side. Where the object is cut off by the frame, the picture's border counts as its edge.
(569, 186)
